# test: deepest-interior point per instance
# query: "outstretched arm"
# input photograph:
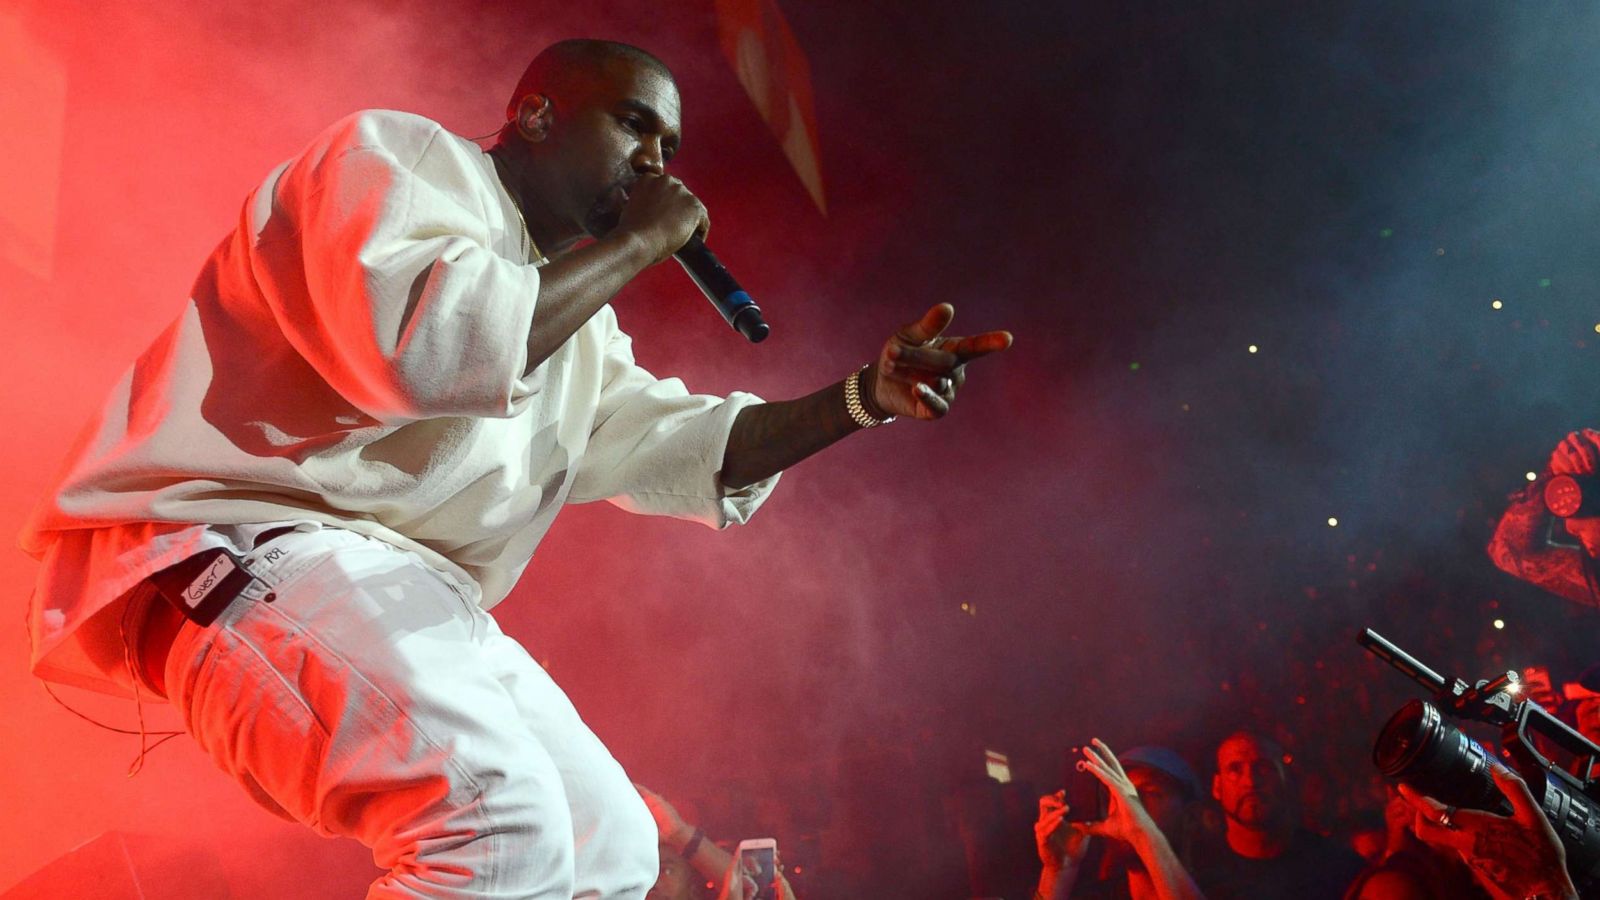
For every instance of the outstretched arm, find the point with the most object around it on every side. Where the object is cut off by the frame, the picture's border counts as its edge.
(1519, 546)
(917, 374)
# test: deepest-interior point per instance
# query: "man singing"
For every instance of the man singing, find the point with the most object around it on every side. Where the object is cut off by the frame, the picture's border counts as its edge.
(295, 509)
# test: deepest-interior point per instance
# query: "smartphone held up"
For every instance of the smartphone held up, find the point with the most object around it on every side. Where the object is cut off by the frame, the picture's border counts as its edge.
(1087, 799)
(756, 862)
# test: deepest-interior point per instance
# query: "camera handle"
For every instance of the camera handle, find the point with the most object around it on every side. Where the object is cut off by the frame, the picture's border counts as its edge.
(1518, 743)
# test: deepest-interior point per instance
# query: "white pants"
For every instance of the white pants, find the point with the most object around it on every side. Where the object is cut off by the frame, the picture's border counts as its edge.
(356, 690)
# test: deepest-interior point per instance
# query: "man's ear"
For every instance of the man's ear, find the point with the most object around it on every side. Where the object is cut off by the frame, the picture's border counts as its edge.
(1215, 793)
(533, 117)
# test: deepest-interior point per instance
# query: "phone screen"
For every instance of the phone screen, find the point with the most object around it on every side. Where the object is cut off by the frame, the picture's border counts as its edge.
(758, 860)
(1087, 800)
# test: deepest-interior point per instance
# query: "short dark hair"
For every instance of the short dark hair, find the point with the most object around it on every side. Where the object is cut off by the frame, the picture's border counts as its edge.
(1268, 747)
(561, 59)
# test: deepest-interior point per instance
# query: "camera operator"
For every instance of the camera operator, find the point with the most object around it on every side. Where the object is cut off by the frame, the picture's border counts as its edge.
(1521, 544)
(1512, 857)
(1148, 797)
(1263, 852)
(1407, 869)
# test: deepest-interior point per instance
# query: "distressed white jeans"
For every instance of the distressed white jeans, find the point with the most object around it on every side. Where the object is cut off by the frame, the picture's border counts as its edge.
(355, 689)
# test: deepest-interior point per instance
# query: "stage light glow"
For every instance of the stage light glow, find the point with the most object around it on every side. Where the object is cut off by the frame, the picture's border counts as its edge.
(1333, 522)
(1499, 624)
(1253, 348)
(1497, 304)
(1532, 476)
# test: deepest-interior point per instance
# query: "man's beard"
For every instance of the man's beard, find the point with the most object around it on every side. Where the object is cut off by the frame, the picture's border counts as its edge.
(604, 214)
(601, 220)
(1264, 814)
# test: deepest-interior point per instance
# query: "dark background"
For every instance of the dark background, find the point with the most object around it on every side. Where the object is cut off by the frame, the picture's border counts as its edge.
(1123, 528)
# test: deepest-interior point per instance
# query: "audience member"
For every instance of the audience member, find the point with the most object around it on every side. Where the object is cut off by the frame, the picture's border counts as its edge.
(1149, 791)
(1406, 869)
(1368, 835)
(1262, 851)
(689, 860)
(1580, 706)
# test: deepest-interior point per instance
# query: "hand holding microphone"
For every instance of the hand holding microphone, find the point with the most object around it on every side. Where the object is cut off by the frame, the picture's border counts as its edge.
(673, 222)
(661, 211)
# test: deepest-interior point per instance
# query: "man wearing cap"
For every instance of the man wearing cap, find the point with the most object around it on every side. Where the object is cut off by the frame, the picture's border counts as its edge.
(1528, 542)
(1144, 828)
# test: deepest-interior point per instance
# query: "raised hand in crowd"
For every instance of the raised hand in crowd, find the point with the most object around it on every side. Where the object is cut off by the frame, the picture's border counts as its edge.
(1577, 454)
(1126, 820)
(1061, 847)
(1512, 857)
(680, 841)
(687, 856)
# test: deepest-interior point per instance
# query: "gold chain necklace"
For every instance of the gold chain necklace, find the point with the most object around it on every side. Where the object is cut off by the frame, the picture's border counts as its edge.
(529, 248)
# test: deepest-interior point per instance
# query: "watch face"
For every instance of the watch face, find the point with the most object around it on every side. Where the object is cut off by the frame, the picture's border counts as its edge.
(1563, 496)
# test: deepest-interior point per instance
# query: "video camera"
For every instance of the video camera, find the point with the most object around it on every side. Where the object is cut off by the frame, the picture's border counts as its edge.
(1418, 747)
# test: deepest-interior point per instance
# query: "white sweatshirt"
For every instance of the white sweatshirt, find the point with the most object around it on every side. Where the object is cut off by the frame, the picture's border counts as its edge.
(354, 354)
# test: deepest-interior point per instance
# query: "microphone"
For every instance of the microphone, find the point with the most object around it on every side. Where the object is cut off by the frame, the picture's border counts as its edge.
(705, 270)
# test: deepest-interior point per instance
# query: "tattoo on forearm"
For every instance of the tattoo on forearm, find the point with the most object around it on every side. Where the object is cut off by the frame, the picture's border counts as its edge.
(1508, 856)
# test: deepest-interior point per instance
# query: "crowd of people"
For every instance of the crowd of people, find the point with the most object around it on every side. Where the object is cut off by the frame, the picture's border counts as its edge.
(1257, 820)
(1167, 833)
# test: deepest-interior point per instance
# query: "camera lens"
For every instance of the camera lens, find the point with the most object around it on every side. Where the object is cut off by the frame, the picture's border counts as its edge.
(1421, 749)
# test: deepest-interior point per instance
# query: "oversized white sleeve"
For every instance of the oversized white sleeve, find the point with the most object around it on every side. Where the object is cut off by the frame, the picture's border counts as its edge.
(657, 449)
(380, 271)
